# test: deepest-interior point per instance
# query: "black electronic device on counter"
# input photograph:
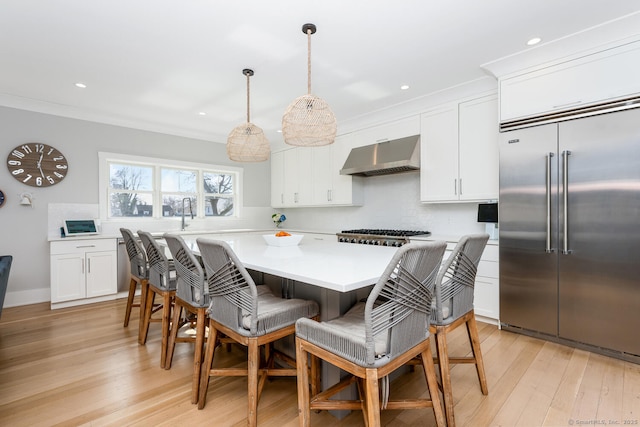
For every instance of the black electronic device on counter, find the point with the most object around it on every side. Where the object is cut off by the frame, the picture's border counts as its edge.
(488, 212)
(80, 227)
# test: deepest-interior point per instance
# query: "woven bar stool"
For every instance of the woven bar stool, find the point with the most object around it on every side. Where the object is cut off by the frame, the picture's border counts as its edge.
(162, 282)
(250, 315)
(375, 338)
(453, 308)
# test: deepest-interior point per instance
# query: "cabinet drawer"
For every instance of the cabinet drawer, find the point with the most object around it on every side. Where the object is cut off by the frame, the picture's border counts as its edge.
(488, 269)
(81, 246)
(491, 253)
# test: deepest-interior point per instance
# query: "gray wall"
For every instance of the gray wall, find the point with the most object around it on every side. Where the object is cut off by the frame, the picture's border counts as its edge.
(23, 230)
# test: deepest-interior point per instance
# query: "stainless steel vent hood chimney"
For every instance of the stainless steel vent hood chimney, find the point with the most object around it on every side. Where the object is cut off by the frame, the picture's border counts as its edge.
(383, 158)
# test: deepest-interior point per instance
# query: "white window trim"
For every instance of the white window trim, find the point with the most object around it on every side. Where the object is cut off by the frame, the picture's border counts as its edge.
(104, 158)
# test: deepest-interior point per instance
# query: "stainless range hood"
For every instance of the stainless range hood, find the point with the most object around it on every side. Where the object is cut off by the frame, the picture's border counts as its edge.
(383, 158)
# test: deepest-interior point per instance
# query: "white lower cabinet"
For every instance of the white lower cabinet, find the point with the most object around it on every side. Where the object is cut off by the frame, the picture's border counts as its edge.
(83, 271)
(486, 292)
(486, 296)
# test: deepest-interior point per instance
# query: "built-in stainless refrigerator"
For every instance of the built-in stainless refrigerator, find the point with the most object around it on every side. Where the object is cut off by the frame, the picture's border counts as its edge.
(570, 232)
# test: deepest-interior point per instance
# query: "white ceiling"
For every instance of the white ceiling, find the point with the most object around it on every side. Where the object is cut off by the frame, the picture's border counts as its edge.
(156, 64)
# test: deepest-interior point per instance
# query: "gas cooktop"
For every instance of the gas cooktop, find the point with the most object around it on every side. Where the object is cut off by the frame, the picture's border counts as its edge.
(381, 237)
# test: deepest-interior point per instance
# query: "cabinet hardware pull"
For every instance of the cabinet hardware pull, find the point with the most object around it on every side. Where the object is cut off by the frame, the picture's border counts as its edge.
(565, 200)
(548, 240)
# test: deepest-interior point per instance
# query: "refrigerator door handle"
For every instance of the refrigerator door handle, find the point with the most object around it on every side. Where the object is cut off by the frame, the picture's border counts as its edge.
(548, 248)
(565, 202)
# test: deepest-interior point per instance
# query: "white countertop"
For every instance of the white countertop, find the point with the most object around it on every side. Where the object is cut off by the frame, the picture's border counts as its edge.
(318, 260)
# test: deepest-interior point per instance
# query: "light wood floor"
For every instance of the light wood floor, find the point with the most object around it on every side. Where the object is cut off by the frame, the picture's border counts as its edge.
(79, 366)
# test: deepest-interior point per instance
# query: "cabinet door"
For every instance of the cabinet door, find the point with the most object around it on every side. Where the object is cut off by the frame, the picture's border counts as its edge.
(346, 189)
(277, 179)
(304, 177)
(68, 277)
(322, 174)
(478, 149)
(439, 155)
(101, 270)
(386, 132)
(594, 78)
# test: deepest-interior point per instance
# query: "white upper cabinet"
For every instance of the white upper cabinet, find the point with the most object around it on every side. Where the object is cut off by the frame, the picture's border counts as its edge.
(310, 176)
(329, 187)
(297, 177)
(459, 152)
(599, 77)
(407, 126)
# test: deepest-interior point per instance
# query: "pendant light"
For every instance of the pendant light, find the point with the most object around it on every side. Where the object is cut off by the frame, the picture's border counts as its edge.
(308, 121)
(247, 142)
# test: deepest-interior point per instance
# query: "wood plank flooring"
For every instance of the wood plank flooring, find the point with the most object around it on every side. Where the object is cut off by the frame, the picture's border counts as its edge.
(79, 367)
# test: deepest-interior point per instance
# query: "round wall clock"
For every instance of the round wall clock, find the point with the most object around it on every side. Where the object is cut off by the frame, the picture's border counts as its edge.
(37, 165)
(2, 198)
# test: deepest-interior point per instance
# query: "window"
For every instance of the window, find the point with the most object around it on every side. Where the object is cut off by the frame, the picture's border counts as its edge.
(155, 188)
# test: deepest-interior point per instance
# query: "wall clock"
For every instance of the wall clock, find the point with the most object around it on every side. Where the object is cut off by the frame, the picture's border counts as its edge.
(37, 165)
(2, 198)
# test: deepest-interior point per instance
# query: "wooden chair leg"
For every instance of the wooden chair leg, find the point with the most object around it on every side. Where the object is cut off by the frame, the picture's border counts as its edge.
(166, 316)
(201, 327)
(434, 391)
(206, 367)
(302, 367)
(173, 335)
(252, 380)
(144, 290)
(372, 398)
(474, 339)
(445, 373)
(132, 292)
(144, 326)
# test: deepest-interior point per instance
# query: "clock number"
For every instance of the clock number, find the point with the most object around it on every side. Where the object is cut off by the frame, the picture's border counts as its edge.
(57, 159)
(61, 166)
(51, 181)
(17, 171)
(39, 181)
(39, 148)
(26, 149)
(14, 162)
(50, 151)
(27, 178)
(18, 154)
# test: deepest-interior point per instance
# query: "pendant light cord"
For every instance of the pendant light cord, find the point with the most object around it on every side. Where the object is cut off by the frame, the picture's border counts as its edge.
(248, 117)
(309, 61)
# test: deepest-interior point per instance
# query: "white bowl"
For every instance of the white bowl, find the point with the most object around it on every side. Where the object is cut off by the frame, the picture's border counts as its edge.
(273, 240)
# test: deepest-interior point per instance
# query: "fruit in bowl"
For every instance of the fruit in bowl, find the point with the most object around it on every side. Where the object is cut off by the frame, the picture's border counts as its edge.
(282, 238)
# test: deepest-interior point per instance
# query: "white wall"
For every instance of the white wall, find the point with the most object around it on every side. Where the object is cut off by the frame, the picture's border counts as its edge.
(390, 201)
(24, 230)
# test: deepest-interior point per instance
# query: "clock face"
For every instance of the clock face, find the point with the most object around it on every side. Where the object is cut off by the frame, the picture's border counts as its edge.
(37, 165)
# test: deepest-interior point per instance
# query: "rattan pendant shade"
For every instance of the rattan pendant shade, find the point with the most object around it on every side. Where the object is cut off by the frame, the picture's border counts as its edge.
(247, 142)
(309, 121)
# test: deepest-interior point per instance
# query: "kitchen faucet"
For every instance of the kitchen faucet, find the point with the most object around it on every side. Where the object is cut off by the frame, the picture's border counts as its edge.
(184, 224)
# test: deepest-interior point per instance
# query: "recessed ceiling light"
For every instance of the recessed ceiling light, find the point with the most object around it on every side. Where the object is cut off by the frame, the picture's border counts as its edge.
(404, 87)
(534, 41)
(202, 113)
(81, 85)
(279, 130)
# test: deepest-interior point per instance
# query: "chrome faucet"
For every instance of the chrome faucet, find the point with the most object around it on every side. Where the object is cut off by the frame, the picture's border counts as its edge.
(184, 224)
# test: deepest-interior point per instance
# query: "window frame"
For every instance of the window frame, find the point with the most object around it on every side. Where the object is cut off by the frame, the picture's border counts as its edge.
(106, 159)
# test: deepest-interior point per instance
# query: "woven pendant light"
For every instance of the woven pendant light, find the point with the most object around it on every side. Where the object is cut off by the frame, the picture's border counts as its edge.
(247, 142)
(308, 121)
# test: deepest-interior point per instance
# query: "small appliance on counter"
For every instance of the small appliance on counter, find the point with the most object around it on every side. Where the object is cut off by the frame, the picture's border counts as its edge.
(488, 214)
(79, 227)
